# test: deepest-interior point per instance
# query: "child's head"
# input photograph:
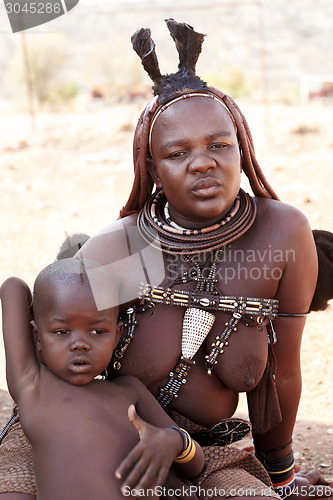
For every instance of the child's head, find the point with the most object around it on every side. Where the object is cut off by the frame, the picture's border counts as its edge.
(72, 245)
(75, 337)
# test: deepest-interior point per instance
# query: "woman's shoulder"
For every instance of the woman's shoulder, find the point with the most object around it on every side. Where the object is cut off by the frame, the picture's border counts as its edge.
(283, 224)
(117, 225)
(279, 212)
(111, 242)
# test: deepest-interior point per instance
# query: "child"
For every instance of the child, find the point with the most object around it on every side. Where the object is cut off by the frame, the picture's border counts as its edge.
(80, 427)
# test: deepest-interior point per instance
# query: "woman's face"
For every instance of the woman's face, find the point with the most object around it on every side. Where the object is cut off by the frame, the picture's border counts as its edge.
(196, 160)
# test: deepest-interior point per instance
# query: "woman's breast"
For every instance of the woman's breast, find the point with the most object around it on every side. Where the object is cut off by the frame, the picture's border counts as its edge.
(157, 346)
(242, 363)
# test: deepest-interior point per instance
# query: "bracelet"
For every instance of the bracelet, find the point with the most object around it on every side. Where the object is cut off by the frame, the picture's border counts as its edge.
(184, 436)
(189, 447)
(188, 456)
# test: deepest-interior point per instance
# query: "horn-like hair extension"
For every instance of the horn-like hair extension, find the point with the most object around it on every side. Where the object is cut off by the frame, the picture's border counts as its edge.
(144, 46)
(188, 43)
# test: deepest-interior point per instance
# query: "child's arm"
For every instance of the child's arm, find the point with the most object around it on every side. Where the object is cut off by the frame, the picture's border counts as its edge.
(22, 365)
(148, 464)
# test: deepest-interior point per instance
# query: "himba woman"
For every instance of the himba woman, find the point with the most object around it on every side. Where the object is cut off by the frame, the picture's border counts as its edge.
(227, 312)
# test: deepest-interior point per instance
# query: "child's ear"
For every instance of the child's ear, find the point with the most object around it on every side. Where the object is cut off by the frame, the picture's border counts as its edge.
(153, 172)
(120, 326)
(35, 336)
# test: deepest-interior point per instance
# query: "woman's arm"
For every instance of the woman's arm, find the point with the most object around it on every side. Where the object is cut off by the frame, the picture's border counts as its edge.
(294, 293)
(22, 366)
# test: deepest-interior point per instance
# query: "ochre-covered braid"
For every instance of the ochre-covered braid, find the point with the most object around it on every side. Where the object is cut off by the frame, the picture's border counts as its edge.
(251, 168)
(143, 183)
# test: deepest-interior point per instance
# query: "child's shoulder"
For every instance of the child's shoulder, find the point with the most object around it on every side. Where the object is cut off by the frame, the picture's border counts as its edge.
(131, 385)
(128, 381)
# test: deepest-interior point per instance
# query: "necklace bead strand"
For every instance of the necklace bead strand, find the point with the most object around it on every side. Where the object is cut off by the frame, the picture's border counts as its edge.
(154, 225)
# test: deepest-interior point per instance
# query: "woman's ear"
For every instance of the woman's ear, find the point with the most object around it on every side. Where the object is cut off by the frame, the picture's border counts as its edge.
(153, 172)
(36, 336)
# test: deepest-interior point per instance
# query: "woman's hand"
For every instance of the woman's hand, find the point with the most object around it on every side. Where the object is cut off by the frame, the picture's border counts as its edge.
(148, 464)
(310, 485)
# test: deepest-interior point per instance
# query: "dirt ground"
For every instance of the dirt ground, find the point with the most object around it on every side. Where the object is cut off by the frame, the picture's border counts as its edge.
(74, 171)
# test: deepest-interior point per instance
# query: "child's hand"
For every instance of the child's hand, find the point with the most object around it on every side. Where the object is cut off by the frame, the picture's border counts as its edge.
(148, 464)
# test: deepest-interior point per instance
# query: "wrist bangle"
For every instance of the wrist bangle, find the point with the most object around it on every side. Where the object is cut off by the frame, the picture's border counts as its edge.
(183, 433)
(188, 456)
(189, 447)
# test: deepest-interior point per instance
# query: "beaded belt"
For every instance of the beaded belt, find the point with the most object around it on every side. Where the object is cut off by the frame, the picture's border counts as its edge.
(192, 298)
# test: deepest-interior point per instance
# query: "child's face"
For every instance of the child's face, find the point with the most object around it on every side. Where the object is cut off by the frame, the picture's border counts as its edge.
(75, 339)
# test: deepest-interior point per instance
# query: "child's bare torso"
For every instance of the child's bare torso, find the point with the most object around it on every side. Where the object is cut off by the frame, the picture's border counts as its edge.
(79, 435)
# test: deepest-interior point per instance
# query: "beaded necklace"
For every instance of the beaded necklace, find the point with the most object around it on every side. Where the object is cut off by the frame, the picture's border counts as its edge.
(154, 224)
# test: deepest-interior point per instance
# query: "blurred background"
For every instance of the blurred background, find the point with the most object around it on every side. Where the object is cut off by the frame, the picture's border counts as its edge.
(71, 91)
